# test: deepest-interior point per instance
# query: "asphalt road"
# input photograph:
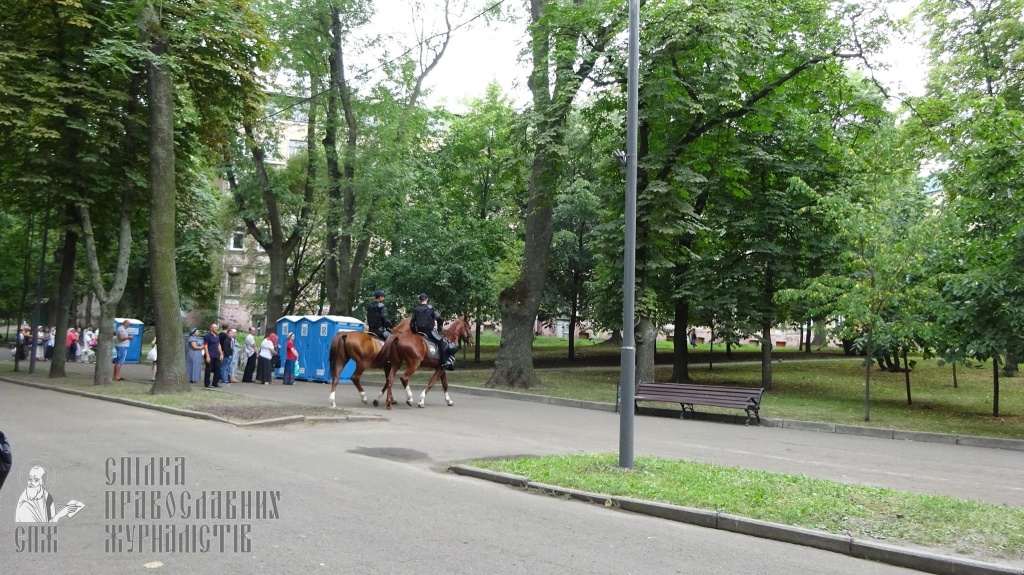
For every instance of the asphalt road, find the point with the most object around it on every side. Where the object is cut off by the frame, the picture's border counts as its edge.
(361, 497)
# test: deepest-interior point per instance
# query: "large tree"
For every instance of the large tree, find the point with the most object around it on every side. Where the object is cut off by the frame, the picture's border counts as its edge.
(973, 112)
(567, 39)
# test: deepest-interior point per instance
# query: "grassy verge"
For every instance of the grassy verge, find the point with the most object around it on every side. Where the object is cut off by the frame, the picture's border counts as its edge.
(830, 391)
(229, 406)
(953, 525)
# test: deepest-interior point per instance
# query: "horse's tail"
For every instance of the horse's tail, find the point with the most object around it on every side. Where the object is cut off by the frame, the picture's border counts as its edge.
(338, 363)
(385, 351)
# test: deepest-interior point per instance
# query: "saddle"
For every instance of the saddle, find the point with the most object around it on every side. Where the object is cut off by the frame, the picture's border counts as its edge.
(432, 351)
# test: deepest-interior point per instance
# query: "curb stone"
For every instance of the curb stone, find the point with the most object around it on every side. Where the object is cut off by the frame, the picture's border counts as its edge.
(861, 549)
(991, 442)
(818, 426)
(504, 478)
(925, 437)
(194, 414)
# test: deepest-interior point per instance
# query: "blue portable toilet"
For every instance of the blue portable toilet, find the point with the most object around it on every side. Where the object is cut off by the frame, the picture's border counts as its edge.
(135, 345)
(305, 344)
(325, 328)
(285, 326)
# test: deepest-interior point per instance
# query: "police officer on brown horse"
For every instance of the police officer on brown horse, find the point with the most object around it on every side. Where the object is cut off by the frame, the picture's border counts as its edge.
(377, 317)
(424, 319)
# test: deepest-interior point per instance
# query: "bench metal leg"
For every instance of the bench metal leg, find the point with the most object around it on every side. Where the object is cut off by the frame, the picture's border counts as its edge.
(683, 414)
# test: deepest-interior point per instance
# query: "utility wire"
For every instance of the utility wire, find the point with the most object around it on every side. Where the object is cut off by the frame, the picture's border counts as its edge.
(366, 73)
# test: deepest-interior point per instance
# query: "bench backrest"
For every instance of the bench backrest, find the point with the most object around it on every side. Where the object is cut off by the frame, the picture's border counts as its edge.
(715, 395)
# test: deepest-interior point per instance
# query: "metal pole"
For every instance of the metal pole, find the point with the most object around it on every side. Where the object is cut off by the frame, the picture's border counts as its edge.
(39, 299)
(627, 375)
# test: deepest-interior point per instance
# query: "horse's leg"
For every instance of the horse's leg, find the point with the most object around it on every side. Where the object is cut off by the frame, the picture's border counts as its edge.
(384, 388)
(410, 369)
(408, 392)
(444, 387)
(356, 376)
(430, 385)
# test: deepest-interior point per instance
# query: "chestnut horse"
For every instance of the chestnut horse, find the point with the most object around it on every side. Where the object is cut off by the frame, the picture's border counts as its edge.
(410, 348)
(367, 352)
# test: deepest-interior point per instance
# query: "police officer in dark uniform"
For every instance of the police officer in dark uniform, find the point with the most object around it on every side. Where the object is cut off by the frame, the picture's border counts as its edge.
(424, 318)
(377, 317)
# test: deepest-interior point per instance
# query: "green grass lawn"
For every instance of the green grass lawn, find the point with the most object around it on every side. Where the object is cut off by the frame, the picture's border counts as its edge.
(954, 525)
(830, 391)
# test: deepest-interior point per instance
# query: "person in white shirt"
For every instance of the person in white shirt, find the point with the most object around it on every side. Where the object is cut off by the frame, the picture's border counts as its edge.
(268, 348)
(87, 353)
(250, 355)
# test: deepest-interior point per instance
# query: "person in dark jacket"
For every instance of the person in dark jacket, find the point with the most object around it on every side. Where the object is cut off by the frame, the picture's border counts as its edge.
(424, 319)
(6, 460)
(377, 316)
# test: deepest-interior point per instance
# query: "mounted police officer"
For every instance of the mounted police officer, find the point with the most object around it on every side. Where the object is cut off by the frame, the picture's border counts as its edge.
(424, 319)
(377, 317)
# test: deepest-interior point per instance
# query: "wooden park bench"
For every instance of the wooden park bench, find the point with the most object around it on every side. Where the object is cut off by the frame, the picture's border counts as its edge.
(686, 394)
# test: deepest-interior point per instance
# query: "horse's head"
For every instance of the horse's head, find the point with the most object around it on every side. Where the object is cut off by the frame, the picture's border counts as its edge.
(459, 331)
(464, 332)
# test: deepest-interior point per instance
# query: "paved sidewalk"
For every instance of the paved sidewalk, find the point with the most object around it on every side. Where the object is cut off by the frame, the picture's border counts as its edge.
(489, 427)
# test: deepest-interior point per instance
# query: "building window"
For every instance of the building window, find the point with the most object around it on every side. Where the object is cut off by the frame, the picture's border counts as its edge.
(296, 147)
(234, 284)
(238, 240)
(262, 284)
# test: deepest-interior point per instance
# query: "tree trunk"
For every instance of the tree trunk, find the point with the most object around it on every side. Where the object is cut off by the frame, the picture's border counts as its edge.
(109, 300)
(800, 347)
(995, 386)
(867, 381)
(711, 351)
(680, 348)
(64, 297)
(954, 376)
(766, 356)
(163, 196)
(275, 288)
(646, 343)
(810, 328)
(728, 350)
(1011, 365)
(25, 286)
(104, 367)
(906, 367)
(573, 308)
(88, 308)
(514, 365)
(519, 302)
(479, 330)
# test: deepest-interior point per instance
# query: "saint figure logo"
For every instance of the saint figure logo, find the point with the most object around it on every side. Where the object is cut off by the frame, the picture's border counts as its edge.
(36, 504)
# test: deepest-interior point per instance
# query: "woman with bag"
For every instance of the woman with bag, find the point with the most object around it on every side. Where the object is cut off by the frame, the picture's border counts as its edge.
(291, 360)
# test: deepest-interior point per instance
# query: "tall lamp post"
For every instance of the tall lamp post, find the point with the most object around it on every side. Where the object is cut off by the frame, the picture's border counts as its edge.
(627, 372)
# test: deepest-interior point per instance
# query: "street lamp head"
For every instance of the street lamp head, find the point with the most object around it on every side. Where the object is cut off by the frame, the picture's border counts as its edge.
(621, 157)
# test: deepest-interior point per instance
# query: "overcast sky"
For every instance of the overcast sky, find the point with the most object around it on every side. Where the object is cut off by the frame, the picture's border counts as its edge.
(482, 52)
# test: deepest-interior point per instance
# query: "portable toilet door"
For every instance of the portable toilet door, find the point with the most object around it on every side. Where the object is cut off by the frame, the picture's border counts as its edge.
(326, 328)
(285, 326)
(305, 344)
(135, 344)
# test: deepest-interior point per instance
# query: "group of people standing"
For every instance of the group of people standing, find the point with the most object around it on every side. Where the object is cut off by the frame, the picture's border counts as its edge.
(79, 343)
(218, 350)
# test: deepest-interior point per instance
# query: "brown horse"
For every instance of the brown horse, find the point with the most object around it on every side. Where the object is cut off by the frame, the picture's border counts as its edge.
(410, 349)
(367, 352)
